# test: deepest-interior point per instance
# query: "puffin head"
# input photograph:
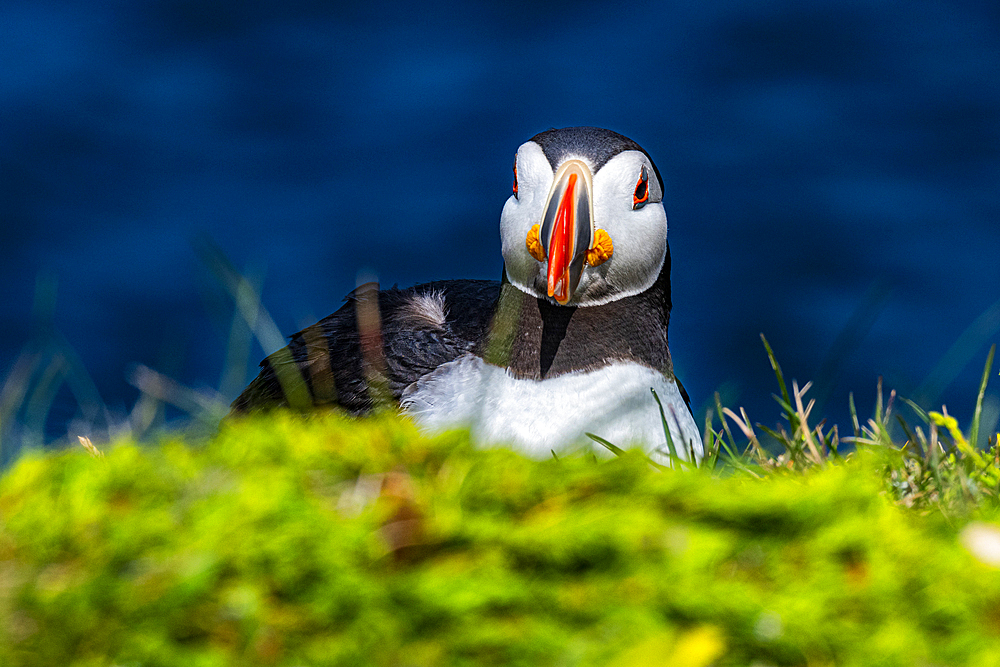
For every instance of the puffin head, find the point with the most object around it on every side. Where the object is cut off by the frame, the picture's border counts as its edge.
(585, 225)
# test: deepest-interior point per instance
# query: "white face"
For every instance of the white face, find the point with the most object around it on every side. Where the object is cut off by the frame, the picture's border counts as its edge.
(639, 235)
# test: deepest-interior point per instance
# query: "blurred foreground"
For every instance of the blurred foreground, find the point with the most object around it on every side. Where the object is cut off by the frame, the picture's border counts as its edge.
(329, 541)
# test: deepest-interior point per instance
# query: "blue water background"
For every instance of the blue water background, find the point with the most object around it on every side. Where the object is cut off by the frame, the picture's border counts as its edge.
(828, 164)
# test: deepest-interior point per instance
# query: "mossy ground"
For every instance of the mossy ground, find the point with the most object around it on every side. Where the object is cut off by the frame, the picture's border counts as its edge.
(328, 541)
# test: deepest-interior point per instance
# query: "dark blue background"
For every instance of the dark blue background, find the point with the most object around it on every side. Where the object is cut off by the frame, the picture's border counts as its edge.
(826, 163)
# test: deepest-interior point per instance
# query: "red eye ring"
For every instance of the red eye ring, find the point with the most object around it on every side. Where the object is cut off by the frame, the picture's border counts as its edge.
(515, 177)
(641, 194)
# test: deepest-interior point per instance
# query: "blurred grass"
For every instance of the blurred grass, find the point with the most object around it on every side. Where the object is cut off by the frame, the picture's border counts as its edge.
(291, 540)
(48, 370)
(321, 540)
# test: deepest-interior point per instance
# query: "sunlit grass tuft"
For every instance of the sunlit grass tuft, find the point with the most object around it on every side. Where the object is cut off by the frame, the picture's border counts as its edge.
(929, 464)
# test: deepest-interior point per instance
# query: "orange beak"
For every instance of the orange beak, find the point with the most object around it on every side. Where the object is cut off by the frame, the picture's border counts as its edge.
(567, 230)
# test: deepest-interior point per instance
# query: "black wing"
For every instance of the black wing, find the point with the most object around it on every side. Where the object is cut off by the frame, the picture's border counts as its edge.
(333, 363)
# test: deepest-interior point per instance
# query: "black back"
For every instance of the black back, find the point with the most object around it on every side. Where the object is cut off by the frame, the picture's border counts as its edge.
(335, 365)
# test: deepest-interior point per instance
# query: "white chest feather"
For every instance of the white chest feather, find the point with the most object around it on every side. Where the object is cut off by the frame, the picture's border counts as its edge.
(613, 402)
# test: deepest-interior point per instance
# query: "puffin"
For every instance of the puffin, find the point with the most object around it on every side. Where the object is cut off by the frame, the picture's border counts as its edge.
(571, 343)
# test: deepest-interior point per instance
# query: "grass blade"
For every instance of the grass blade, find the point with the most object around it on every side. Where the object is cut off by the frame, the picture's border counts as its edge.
(617, 451)
(731, 448)
(776, 367)
(917, 409)
(711, 443)
(854, 415)
(666, 429)
(611, 447)
(974, 428)
(910, 436)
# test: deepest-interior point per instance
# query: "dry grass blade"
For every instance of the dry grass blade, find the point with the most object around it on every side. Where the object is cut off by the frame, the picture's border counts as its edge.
(744, 425)
(369, 321)
(199, 404)
(90, 447)
(803, 418)
(248, 304)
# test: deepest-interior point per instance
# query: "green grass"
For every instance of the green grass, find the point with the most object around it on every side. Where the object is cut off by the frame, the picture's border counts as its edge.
(289, 540)
(322, 540)
(930, 465)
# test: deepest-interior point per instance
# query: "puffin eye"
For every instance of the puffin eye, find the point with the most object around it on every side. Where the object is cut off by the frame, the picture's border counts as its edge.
(641, 194)
(515, 178)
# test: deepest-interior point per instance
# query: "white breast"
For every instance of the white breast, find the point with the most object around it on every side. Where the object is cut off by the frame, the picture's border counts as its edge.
(537, 417)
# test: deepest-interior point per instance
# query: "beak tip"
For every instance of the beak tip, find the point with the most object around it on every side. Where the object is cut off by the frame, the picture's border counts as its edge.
(567, 229)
